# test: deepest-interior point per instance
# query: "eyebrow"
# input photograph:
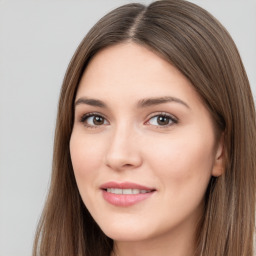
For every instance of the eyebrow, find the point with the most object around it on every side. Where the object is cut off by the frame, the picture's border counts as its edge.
(141, 103)
(160, 100)
(91, 102)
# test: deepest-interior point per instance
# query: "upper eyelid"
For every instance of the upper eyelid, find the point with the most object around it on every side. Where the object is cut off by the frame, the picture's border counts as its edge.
(162, 114)
(92, 114)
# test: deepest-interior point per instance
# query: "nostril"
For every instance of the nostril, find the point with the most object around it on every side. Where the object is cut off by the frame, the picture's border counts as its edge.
(127, 165)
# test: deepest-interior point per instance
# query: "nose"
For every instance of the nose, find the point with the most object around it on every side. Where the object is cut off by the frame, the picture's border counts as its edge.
(123, 151)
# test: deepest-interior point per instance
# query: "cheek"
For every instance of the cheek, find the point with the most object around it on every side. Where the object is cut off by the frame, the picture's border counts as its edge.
(183, 170)
(86, 158)
(183, 161)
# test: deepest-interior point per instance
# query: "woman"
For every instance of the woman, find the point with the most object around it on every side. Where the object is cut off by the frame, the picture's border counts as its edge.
(154, 146)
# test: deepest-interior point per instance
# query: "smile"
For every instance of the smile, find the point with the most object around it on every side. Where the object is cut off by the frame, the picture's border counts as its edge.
(125, 194)
(119, 191)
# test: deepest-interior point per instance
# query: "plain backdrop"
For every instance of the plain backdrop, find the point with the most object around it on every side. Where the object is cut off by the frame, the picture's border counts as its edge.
(37, 40)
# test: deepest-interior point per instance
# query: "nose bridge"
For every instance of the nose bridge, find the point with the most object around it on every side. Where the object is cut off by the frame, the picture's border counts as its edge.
(123, 150)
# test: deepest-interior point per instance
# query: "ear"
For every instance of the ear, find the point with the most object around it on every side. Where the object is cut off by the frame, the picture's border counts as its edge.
(219, 165)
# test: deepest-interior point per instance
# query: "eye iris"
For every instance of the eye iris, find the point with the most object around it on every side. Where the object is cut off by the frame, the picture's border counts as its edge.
(98, 120)
(163, 120)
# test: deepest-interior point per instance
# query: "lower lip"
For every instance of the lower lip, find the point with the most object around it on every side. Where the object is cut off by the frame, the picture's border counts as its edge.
(125, 200)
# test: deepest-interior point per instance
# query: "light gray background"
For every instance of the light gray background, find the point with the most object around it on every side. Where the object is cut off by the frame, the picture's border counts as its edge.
(37, 40)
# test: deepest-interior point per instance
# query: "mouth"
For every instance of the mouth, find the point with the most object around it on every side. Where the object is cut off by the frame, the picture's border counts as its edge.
(127, 191)
(125, 194)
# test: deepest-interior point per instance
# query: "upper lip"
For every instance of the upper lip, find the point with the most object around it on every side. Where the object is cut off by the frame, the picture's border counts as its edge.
(125, 185)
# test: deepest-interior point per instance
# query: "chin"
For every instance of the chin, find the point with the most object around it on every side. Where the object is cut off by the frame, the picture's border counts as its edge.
(125, 231)
(124, 236)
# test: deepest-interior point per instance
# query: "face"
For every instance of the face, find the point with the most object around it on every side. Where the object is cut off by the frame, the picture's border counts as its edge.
(143, 146)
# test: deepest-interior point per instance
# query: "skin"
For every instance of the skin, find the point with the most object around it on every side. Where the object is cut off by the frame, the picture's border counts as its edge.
(176, 157)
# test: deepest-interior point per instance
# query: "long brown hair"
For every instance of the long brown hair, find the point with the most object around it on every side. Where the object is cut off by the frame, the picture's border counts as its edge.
(192, 40)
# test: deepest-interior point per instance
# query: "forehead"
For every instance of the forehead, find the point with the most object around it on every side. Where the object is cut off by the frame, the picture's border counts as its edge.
(132, 71)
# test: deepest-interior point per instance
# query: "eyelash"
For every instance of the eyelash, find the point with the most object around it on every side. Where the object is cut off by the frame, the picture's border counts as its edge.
(171, 119)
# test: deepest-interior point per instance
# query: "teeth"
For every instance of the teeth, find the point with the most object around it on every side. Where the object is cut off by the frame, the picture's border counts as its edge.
(135, 191)
(128, 191)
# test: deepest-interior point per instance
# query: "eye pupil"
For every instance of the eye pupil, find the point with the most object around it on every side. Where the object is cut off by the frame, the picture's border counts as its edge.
(163, 120)
(98, 120)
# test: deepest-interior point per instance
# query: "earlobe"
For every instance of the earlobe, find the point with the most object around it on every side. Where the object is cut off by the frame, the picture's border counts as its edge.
(219, 165)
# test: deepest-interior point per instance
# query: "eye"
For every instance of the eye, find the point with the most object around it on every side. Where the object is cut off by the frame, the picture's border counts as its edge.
(93, 120)
(162, 120)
